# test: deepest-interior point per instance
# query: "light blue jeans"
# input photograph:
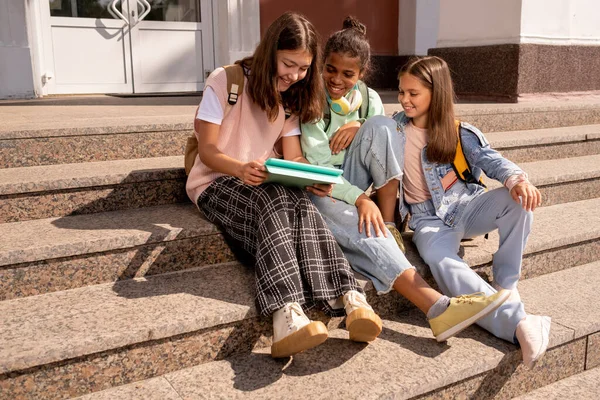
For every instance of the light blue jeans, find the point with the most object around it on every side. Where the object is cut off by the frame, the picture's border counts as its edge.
(438, 245)
(370, 159)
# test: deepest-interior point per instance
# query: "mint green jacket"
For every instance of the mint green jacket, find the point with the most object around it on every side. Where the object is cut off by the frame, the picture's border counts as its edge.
(315, 145)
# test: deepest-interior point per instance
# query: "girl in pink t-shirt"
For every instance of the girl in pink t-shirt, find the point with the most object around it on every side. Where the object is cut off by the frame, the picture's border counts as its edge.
(297, 261)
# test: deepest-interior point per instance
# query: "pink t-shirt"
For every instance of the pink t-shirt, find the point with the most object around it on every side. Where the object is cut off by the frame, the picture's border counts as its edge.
(413, 181)
(246, 133)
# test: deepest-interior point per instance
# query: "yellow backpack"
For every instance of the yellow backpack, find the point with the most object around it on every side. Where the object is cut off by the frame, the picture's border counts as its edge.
(235, 87)
(461, 165)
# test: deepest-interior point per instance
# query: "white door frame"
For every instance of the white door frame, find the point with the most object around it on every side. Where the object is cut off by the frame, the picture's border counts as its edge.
(45, 63)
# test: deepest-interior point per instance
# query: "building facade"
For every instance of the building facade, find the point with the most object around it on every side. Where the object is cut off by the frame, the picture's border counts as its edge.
(498, 49)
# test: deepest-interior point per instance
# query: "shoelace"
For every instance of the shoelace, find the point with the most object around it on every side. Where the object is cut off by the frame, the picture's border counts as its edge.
(468, 298)
(295, 313)
(358, 301)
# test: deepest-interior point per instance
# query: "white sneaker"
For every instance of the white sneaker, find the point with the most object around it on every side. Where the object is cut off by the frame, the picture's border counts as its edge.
(533, 334)
(293, 332)
(514, 293)
(361, 321)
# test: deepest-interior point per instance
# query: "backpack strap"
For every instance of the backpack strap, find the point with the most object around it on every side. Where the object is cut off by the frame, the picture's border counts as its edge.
(363, 111)
(235, 82)
(461, 165)
(326, 116)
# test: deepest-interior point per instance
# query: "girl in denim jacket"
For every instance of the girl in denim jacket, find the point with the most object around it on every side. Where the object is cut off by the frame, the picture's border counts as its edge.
(444, 209)
(366, 159)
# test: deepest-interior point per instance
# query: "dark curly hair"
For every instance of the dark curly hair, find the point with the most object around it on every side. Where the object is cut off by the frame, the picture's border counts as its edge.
(352, 41)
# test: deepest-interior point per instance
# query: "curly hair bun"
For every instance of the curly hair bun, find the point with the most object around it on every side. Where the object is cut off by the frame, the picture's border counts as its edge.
(353, 23)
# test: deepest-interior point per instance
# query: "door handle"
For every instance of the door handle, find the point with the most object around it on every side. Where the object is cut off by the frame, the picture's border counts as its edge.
(146, 11)
(112, 9)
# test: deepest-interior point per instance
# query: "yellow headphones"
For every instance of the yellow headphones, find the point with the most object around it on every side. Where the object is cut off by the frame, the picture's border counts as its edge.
(345, 106)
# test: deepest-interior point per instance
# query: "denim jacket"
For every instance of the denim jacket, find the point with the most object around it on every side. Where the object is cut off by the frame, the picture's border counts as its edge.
(450, 205)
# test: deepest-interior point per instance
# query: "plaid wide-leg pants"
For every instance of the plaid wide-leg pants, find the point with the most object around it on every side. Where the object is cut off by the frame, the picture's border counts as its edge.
(296, 257)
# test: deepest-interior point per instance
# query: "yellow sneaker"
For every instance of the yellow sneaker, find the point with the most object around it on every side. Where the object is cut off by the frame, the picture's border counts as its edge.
(397, 236)
(464, 311)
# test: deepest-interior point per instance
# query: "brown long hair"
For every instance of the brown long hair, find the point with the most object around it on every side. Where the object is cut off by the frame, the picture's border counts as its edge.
(352, 41)
(433, 73)
(305, 98)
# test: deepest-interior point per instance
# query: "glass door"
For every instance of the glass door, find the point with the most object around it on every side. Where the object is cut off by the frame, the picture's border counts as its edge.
(171, 43)
(128, 46)
(88, 48)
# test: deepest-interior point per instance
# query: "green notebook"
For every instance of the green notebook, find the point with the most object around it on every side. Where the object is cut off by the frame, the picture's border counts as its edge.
(291, 173)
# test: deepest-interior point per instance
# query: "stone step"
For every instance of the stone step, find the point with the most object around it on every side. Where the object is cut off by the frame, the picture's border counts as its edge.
(53, 254)
(547, 144)
(404, 362)
(83, 188)
(490, 117)
(583, 386)
(563, 180)
(99, 336)
(80, 145)
(63, 134)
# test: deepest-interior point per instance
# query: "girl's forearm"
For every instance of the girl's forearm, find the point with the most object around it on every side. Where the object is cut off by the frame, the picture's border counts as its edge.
(216, 160)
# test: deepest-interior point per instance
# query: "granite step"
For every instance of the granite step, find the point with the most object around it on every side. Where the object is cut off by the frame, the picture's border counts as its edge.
(583, 386)
(563, 180)
(404, 362)
(490, 117)
(100, 336)
(83, 188)
(62, 134)
(90, 144)
(547, 144)
(53, 254)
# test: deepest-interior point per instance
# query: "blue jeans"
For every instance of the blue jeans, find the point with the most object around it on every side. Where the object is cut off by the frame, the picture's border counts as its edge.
(438, 245)
(370, 159)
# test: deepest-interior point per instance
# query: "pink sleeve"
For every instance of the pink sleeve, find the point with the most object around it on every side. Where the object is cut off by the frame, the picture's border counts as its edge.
(514, 180)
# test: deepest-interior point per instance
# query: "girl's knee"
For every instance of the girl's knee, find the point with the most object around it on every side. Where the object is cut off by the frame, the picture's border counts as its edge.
(379, 124)
(432, 258)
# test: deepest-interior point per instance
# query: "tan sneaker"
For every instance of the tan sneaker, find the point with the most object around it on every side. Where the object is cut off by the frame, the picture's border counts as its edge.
(293, 332)
(533, 334)
(361, 321)
(397, 236)
(464, 311)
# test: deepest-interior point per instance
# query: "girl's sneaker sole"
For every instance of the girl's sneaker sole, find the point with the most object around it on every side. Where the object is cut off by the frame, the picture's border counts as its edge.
(363, 325)
(307, 337)
(447, 334)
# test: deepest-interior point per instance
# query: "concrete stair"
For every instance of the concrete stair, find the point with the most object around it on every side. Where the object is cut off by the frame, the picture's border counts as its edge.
(113, 287)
